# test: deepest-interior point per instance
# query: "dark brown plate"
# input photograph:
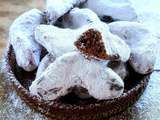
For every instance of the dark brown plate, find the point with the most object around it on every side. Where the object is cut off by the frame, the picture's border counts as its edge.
(70, 107)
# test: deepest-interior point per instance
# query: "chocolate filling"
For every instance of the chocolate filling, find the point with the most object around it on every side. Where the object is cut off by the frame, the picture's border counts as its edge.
(91, 44)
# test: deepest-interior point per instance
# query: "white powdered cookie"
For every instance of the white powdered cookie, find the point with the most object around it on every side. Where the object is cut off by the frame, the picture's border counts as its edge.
(57, 8)
(117, 9)
(142, 43)
(78, 17)
(72, 69)
(45, 62)
(21, 37)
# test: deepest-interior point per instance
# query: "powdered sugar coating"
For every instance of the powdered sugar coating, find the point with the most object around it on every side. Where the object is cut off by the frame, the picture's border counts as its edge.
(56, 40)
(45, 62)
(53, 39)
(118, 10)
(78, 17)
(131, 32)
(119, 47)
(57, 8)
(143, 58)
(64, 73)
(21, 36)
(142, 43)
(118, 67)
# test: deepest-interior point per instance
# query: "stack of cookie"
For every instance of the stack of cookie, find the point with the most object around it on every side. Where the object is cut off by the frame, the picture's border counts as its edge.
(88, 44)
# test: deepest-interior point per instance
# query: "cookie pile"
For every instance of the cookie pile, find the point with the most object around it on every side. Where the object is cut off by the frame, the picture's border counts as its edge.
(89, 43)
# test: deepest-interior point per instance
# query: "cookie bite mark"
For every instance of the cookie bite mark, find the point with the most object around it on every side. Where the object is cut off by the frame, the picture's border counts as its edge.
(91, 44)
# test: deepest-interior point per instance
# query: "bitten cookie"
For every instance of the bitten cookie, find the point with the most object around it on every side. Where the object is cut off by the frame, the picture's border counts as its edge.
(59, 41)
